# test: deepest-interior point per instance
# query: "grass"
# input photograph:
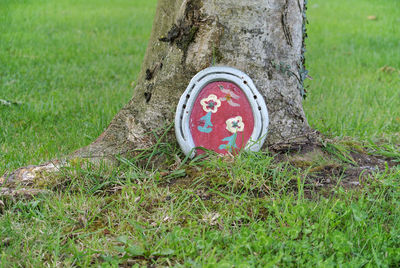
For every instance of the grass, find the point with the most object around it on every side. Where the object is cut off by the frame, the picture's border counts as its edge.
(71, 65)
(245, 212)
(352, 94)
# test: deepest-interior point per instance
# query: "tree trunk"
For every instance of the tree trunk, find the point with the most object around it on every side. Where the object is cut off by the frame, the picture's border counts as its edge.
(263, 38)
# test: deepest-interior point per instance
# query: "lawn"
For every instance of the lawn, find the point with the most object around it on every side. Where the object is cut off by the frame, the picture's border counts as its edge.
(72, 65)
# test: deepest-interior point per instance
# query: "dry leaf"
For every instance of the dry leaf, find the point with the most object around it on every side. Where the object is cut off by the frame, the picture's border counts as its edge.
(388, 69)
(211, 218)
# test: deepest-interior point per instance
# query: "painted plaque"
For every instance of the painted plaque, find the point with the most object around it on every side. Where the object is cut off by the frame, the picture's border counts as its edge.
(221, 119)
(221, 110)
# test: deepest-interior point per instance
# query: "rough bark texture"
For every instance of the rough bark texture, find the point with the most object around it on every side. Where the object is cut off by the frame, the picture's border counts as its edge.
(263, 38)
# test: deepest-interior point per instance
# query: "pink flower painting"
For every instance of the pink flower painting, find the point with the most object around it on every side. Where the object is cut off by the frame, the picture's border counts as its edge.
(229, 96)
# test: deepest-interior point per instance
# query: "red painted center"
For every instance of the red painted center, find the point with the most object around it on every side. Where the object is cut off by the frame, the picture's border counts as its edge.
(218, 105)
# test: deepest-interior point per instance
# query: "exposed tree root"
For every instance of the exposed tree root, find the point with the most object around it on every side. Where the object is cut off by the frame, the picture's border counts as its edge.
(329, 164)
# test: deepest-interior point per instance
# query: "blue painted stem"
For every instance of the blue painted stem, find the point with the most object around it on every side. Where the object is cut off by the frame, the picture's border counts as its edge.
(231, 143)
(207, 123)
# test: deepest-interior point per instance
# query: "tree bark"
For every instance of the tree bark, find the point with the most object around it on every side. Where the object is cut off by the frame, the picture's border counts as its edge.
(263, 38)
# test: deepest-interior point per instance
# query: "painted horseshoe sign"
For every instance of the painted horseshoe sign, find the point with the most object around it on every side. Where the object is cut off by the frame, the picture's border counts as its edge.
(221, 110)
